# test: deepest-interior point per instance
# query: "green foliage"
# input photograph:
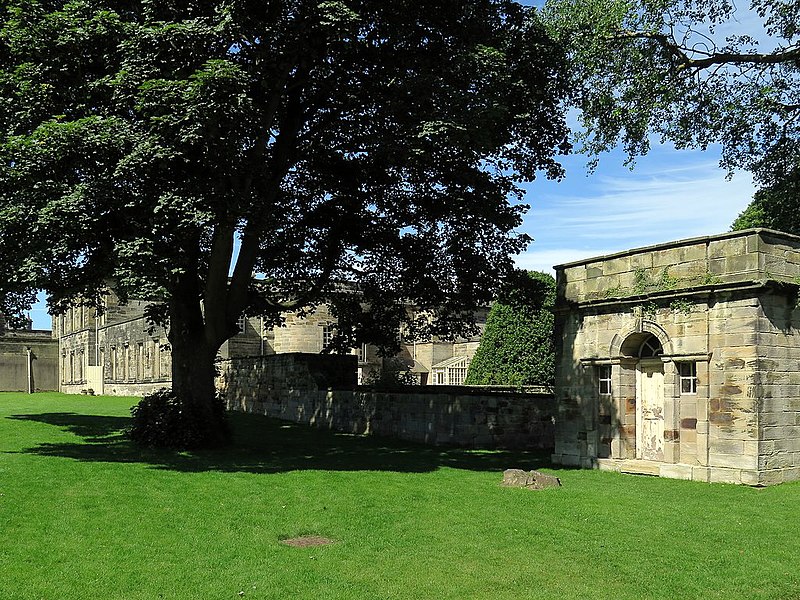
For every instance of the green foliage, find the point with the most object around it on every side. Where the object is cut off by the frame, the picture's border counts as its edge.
(373, 143)
(517, 347)
(648, 281)
(390, 377)
(710, 279)
(777, 204)
(752, 216)
(643, 283)
(165, 420)
(649, 310)
(684, 72)
(680, 305)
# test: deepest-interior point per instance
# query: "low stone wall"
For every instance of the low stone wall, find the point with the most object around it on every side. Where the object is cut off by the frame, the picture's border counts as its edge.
(14, 358)
(295, 387)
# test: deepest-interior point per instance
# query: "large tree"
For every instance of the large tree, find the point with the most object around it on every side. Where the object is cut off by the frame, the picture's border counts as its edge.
(692, 72)
(180, 148)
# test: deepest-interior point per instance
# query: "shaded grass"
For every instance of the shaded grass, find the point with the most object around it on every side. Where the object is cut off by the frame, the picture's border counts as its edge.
(84, 514)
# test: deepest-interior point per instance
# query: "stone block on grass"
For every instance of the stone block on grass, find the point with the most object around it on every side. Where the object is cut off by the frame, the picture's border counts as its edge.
(532, 480)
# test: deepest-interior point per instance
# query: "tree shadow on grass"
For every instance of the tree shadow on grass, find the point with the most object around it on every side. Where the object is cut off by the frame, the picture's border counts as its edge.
(265, 445)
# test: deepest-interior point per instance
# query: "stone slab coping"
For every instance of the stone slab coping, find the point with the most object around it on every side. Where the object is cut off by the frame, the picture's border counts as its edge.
(27, 333)
(594, 361)
(696, 291)
(677, 244)
(467, 390)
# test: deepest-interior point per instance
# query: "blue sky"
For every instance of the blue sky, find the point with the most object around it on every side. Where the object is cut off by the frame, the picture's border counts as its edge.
(669, 195)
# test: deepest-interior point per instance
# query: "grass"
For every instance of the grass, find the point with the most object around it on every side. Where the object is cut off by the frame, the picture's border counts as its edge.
(83, 514)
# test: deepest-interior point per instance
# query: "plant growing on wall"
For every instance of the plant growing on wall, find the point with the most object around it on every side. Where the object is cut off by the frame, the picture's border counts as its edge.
(180, 148)
(517, 347)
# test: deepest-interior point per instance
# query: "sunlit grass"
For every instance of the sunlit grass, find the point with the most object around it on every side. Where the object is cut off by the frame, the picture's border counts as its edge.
(84, 514)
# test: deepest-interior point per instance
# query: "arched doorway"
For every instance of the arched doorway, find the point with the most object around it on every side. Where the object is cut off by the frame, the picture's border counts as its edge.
(650, 400)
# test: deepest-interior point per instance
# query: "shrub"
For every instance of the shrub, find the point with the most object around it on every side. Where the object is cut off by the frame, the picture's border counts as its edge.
(163, 420)
(517, 347)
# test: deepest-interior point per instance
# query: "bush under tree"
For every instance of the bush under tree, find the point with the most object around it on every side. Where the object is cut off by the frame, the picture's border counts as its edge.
(162, 420)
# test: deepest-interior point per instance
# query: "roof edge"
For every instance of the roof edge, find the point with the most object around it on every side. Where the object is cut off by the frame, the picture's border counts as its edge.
(677, 243)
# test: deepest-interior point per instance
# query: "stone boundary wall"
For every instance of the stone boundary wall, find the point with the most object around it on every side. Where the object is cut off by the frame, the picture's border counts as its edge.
(294, 387)
(14, 361)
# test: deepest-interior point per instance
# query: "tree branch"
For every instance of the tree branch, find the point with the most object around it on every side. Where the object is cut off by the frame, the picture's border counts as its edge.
(722, 58)
(682, 53)
(282, 159)
(330, 258)
(217, 282)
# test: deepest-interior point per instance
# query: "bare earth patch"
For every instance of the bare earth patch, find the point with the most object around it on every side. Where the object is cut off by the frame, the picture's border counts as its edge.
(307, 541)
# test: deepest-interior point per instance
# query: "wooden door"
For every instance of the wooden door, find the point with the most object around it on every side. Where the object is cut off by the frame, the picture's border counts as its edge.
(650, 410)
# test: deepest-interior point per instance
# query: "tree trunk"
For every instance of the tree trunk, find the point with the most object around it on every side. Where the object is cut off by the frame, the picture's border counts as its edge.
(193, 371)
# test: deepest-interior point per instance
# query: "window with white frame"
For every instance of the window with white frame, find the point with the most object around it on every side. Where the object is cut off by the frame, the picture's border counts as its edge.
(458, 375)
(361, 352)
(604, 379)
(651, 348)
(328, 331)
(452, 371)
(688, 377)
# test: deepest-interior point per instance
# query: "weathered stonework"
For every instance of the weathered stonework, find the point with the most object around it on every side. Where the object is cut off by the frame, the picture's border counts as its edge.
(119, 352)
(721, 311)
(116, 352)
(531, 480)
(28, 360)
(310, 389)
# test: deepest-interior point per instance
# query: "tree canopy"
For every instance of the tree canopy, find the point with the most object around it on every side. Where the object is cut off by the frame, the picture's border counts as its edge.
(517, 346)
(179, 148)
(687, 71)
(777, 204)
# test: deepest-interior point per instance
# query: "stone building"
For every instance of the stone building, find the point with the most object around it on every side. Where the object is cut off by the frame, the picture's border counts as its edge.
(432, 362)
(115, 352)
(28, 359)
(683, 359)
(119, 352)
(440, 362)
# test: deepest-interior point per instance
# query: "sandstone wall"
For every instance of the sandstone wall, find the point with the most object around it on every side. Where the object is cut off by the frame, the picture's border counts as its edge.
(14, 361)
(727, 304)
(698, 263)
(294, 387)
(775, 385)
(135, 357)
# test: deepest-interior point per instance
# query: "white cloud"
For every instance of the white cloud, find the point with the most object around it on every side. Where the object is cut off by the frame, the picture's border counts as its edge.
(670, 196)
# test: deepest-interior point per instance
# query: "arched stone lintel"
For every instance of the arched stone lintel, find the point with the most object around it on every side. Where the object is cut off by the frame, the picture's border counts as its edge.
(644, 327)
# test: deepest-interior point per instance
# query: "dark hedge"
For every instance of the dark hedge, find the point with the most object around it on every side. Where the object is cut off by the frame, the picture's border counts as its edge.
(517, 344)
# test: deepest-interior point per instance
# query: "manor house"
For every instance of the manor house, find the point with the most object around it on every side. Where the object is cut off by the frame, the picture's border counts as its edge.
(683, 359)
(120, 352)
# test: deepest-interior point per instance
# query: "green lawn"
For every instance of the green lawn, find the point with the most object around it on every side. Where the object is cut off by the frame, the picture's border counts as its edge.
(83, 514)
